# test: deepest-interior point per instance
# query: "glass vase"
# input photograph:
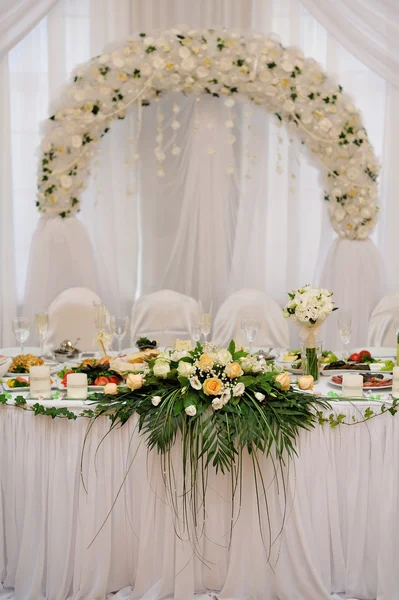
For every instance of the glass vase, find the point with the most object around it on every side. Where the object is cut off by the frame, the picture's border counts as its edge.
(311, 359)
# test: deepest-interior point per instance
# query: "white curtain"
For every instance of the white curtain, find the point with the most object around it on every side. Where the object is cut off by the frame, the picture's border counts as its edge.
(272, 232)
(367, 28)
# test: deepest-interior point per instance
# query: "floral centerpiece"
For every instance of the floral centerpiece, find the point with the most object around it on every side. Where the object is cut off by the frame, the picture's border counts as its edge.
(219, 400)
(309, 307)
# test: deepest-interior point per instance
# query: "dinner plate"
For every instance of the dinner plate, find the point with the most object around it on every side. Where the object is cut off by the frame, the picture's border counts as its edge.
(365, 387)
(332, 372)
(8, 388)
(91, 388)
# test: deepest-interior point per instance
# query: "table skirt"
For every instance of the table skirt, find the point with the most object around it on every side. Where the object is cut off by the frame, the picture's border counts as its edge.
(99, 524)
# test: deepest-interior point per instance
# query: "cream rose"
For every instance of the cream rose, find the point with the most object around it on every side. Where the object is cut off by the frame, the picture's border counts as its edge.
(233, 370)
(306, 382)
(185, 369)
(284, 380)
(134, 382)
(212, 386)
(224, 357)
(205, 362)
(161, 369)
(111, 389)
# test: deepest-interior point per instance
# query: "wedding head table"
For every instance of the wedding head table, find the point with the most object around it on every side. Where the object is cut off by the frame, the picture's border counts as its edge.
(87, 517)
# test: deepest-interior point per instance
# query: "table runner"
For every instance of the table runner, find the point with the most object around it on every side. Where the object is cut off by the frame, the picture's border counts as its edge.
(339, 536)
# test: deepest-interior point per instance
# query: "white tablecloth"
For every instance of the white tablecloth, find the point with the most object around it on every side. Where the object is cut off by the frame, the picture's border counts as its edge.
(341, 532)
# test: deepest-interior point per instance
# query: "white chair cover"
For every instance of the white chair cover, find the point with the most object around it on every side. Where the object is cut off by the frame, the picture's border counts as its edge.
(251, 303)
(71, 316)
(382, 321)
(164, 316)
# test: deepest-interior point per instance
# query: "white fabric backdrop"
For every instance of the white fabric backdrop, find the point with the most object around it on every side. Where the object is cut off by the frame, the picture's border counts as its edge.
(341, 532)
(272, 237)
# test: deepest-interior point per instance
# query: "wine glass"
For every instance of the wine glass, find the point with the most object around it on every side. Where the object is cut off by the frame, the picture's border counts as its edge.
(205, 324)
(21, 329)
(42, 328)
(196, 333)
(345, 331)
(250, 328)
(119, 327)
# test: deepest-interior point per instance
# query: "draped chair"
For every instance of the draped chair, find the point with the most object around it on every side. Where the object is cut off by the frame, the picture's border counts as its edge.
(383, 321)
(164, 316)
(251, 303)
(71, 316)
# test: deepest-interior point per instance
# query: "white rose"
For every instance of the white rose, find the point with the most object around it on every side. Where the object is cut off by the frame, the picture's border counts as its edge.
(365, 212)
(260, 397)
(352, 210)
(362, 232)
(158, 62)
(103, 59)
(217, 403)
(202, 72)
(191, 411)
(225, 65)
(185, 369)
(188, 64)
(145, 69)
(118, 62)
(79, 95)
(287, 66)
(247, 365)
(195, 383)
(352, 173)
(259, 365)
(156, 400)
(325, 124)
(46, 146)
(184, 52)
(76, 141)
(223, 357)
(66, 181)
(161, 369)
(289, 106)
(265, 76)
(148, 41)
(238, 389)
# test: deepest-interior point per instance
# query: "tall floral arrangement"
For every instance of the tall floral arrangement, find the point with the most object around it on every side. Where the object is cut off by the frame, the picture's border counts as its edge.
(308, 308)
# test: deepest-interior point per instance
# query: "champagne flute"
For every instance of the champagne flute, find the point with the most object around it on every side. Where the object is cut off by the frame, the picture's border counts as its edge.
(100, 316)
(205, 324)
(250, 328)
(42, 328)
(21, 329)
(196, 333)
(119, 327)
(345, 331)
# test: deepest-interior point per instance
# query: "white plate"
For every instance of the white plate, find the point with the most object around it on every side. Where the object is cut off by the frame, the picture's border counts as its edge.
(7, 388)
(332, 372)
(365, 387)
(91, 388)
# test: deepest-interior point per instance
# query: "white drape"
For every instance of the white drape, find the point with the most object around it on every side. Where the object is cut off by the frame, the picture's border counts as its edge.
(340, 535)
(17, 18)
(275, 228)
(369, 29)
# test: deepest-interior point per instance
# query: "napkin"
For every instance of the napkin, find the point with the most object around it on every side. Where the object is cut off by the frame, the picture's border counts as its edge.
(5, 363)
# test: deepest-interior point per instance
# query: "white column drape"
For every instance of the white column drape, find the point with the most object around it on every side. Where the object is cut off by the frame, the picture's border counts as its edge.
(276, 230)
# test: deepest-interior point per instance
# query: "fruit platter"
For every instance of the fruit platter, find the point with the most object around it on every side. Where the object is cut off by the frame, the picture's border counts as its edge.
(98, 373)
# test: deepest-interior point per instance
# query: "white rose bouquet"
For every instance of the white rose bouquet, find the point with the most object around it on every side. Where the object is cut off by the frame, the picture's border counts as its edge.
(309, 307)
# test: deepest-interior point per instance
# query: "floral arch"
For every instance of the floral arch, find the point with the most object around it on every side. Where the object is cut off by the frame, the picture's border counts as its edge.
(248, 67)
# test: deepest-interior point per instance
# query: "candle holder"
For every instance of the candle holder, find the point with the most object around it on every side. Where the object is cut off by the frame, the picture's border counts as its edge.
(352, 386)
(39, 382)
(77, 386)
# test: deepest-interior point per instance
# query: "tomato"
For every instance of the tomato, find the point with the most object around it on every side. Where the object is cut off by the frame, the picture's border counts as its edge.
(101, 381)
(114, 379)
(364, 353)
(355, 357)
(22, 380)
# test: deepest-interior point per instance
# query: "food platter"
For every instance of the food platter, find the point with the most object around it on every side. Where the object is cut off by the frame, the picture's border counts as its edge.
(371, 381)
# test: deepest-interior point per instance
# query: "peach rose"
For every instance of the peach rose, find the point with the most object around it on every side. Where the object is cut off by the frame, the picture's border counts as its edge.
(111, 389)
(205, 361)
(284, 380)
(306, 382)
(212, 386)
(134, 382)
(234, 370)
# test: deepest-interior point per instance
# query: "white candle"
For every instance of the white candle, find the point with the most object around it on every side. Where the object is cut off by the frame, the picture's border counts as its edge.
(352, 386)
(395, 383)
(77, 386)
(39, 382)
